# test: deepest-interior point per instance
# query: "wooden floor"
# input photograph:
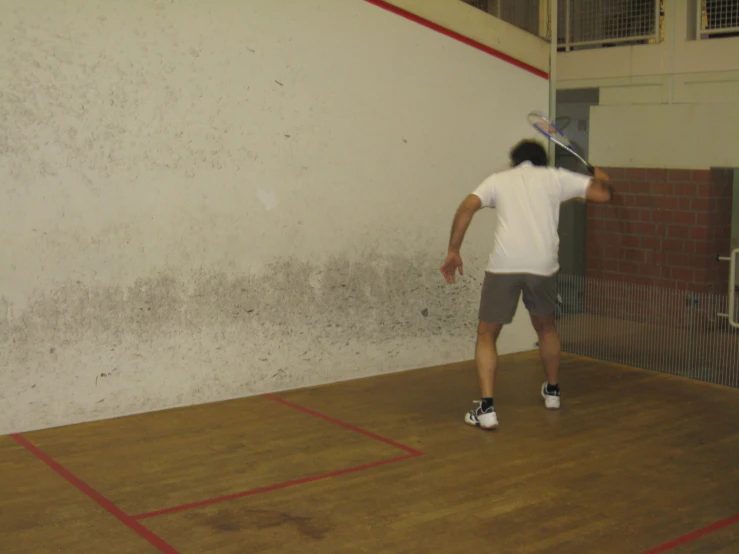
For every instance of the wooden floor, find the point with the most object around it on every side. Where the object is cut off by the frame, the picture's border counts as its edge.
(634, 462)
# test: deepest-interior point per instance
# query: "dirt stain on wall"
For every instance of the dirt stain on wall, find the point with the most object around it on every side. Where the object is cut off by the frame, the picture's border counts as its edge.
(376, 298)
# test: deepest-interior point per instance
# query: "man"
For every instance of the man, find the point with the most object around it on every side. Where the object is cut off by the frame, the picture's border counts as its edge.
(525, 259)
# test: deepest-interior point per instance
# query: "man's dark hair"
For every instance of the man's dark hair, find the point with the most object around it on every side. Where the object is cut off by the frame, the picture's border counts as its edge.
(529, 151)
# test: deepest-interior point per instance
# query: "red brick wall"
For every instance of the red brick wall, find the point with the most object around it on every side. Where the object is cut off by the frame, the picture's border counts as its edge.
(664, 228)
(660, 236)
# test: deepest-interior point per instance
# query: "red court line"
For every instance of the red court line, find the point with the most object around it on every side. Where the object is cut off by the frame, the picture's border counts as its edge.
(456, 36)
(270, 488)
(690, 537)
(411, 453)
(345, 425)
(111, 508)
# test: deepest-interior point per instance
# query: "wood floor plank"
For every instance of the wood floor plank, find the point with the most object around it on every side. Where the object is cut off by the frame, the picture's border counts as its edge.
(187, 455)
(42, 513)
(633, 460)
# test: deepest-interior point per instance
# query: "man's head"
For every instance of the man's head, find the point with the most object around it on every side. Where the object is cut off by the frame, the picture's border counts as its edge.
(529, 151)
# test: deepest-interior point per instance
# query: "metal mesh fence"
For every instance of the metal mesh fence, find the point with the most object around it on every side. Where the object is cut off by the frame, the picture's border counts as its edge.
(665, 330)
(589, 23)
(718, 18)
(483, 5)
(584, 23)
(524, 14)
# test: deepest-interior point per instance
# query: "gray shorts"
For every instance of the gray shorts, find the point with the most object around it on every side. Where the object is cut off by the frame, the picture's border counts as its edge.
(501, 291)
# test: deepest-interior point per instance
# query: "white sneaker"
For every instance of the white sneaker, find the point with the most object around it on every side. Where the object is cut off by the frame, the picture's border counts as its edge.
(551, 400)
(485, 420)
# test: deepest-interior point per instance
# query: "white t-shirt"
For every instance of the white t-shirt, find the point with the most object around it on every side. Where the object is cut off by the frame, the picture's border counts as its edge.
(527, 199)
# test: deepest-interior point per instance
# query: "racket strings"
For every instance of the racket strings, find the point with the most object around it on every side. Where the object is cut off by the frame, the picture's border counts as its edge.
(543, 125)
(547, 128)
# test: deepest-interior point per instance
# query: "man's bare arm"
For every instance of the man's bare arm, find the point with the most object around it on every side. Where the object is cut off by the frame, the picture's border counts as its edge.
(462, 220)
(600, 189)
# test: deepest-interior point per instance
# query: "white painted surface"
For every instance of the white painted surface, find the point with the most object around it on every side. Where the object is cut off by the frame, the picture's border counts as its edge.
(673, 136)
(201, 201)
(671, 105)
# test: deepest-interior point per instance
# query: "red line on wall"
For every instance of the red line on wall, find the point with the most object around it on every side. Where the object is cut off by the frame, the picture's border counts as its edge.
(106, 504)
(690, 537)
(456, 36)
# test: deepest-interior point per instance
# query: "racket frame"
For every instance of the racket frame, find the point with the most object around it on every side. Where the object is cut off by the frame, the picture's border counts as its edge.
(566, 145)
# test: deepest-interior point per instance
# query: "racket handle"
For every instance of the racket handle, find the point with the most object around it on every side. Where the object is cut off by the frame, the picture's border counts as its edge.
(590, 169)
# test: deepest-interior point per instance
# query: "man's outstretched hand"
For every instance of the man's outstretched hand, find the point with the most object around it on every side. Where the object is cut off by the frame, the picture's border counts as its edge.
(452, 263)
(462, 220)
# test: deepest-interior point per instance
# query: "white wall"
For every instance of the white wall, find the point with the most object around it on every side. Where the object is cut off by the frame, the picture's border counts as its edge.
(673, 104)
(675, 136)
(201, 201)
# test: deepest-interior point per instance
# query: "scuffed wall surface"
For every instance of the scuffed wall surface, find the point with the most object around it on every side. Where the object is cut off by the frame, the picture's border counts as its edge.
(206, 201)
(80, 352)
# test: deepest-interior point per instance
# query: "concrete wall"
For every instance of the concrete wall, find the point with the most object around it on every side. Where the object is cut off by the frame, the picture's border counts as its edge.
(669, 105)
(201, 201)
(672, 136)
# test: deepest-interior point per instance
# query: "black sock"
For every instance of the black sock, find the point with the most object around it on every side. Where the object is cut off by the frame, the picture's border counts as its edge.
(552, 388)
(486, 403)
